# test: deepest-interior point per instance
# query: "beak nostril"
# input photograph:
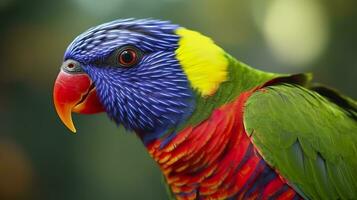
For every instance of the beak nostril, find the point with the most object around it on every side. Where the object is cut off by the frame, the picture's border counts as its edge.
(71, 66)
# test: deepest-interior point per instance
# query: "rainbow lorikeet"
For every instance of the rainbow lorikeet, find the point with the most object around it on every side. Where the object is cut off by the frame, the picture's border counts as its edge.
(217, 128)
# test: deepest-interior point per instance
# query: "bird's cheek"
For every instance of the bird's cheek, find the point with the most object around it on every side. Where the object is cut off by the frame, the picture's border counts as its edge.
(74, 92)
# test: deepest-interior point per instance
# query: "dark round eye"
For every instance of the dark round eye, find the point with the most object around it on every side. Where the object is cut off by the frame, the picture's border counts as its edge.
(128, 57)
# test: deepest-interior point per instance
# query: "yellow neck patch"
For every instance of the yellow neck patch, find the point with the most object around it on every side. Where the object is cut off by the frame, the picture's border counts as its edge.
(203, 61)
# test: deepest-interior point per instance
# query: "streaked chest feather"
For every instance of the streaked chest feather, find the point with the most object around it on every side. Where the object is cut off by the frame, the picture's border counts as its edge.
(217, 160)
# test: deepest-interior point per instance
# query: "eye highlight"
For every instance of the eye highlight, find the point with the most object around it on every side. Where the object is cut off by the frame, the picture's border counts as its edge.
(128, 57)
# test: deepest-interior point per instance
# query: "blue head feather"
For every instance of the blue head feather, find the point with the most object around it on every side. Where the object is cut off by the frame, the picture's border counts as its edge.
(153, 96)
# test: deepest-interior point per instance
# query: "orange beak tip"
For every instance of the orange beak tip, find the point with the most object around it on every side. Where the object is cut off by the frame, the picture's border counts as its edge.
(74, 131)
(71, 126)
(64, 113)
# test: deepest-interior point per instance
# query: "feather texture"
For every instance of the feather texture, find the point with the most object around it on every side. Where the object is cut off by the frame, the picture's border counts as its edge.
(310, 140)
(217, 160)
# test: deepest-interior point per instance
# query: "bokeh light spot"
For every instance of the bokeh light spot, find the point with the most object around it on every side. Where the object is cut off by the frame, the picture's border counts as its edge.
(296, 31)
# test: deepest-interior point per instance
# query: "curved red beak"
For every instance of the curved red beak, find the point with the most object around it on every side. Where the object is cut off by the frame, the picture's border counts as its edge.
(74, 92)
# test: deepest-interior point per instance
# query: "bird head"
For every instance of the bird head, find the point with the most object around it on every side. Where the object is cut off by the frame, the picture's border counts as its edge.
(145, 74)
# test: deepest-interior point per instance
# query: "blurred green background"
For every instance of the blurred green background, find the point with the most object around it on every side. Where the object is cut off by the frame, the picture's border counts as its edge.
(40, 159)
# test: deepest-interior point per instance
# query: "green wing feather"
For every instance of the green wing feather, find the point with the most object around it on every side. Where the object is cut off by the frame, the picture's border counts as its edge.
(309, 137)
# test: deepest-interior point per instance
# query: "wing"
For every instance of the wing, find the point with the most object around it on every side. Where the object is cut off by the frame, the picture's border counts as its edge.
(311, 140)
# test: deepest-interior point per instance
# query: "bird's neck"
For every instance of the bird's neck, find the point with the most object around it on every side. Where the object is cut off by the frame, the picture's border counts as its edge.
(241, 77)
(216, 159)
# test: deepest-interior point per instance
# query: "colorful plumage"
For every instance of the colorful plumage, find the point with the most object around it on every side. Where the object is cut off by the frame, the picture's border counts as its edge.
(217, 128)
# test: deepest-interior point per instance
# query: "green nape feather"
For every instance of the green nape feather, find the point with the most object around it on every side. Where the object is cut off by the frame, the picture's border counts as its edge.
(309, 138)
(241, 78)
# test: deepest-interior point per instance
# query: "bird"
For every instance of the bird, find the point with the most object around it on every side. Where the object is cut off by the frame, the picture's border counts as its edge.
(216, 127)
